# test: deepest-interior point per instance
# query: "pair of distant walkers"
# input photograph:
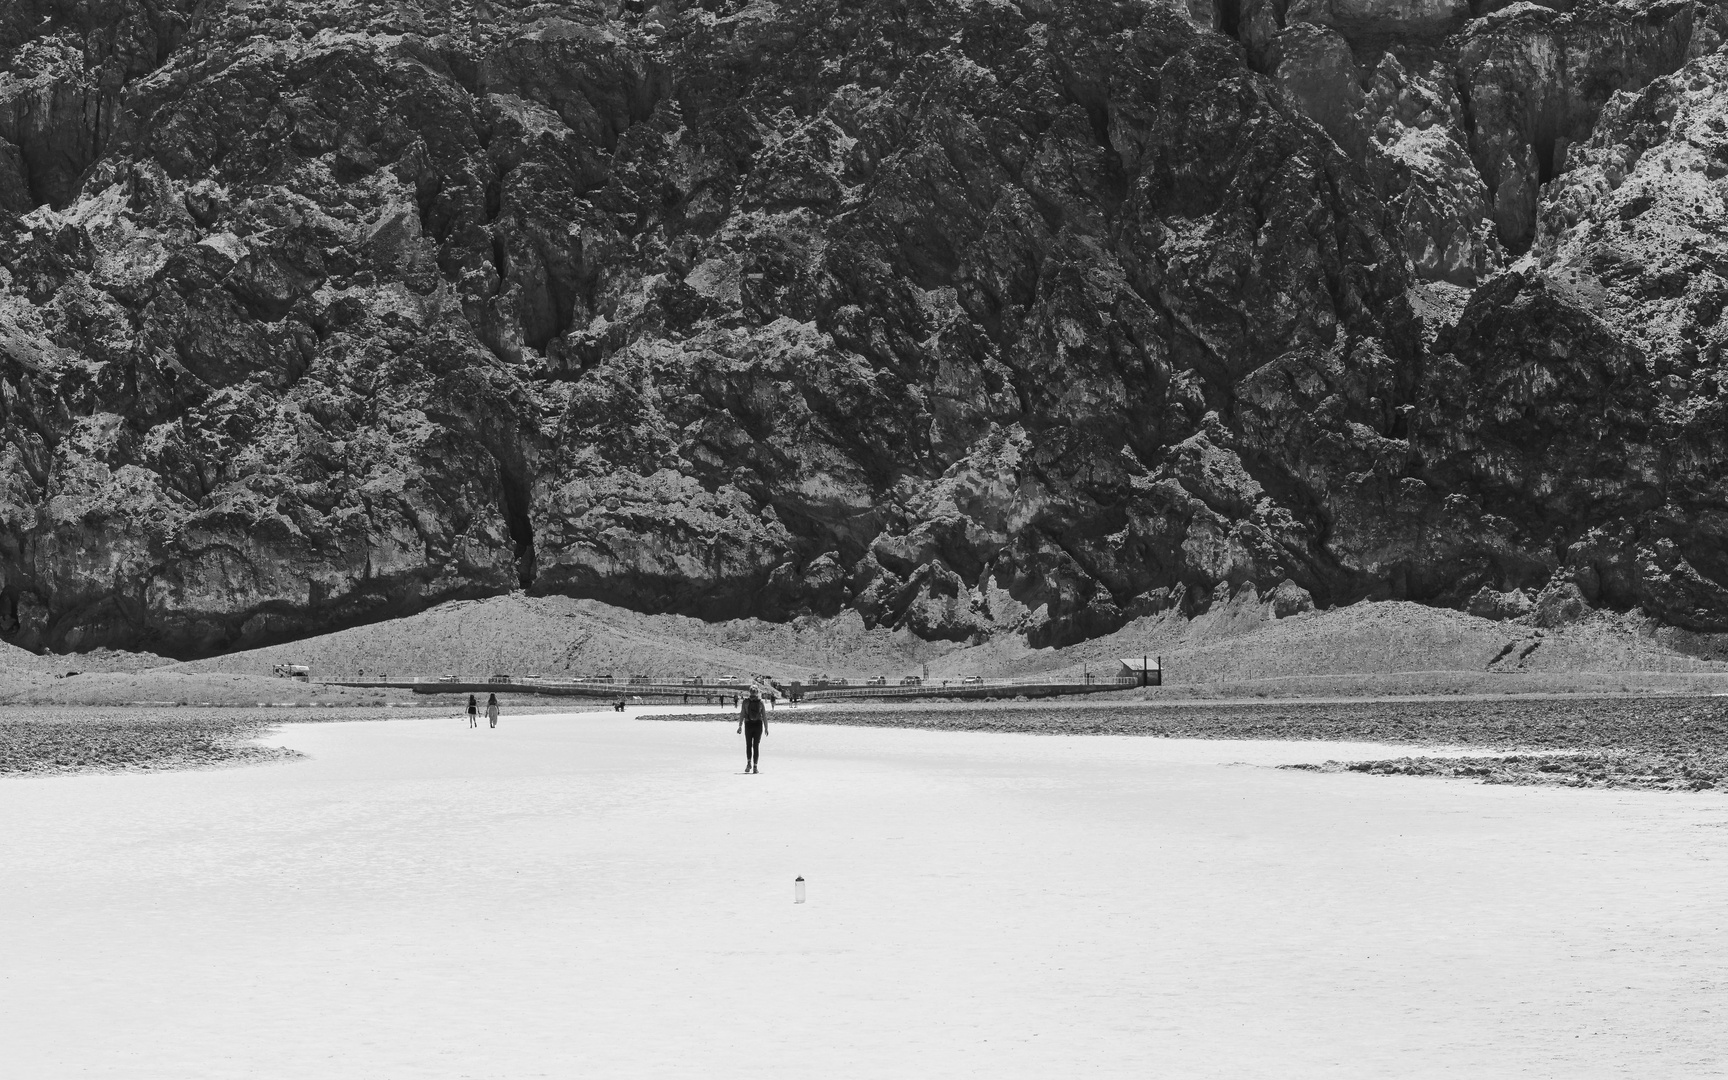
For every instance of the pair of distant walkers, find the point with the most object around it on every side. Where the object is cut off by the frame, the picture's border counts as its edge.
(752, 724)
(491, 710)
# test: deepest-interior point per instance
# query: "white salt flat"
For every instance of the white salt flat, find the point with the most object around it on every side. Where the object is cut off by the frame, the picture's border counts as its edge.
(598, 895)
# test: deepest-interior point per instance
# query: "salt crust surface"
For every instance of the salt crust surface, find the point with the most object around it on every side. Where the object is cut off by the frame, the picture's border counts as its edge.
(593, 895)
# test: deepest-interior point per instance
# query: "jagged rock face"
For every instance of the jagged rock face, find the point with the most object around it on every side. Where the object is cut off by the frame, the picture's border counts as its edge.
(1536, 78)
(1595, 370)
(60, 89)
(1462, 118)
(973, 316)
(1314, 65)
(960, 303)
(1419, 131)
(1416, 18)
(239, 399)
(1565, 433)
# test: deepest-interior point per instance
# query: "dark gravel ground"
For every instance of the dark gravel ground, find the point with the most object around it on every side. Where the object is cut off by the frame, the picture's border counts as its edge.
(1666, 743)
(48, 743)
(58, 740)
(1649, 771)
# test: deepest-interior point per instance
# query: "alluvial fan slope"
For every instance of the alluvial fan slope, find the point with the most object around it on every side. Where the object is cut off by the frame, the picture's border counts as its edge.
(971, 315)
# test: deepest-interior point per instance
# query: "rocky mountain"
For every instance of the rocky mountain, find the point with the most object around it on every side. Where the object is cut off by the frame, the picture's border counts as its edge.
(974, 316)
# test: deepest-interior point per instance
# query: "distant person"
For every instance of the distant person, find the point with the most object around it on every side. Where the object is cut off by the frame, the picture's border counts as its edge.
(473, 711)
(753, 723)
(492, 710)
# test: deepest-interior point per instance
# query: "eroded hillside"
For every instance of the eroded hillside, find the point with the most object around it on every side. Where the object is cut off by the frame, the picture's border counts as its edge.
(970, 316)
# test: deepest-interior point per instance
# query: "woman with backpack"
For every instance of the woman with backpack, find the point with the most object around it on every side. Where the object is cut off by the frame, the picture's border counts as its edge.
(752, 724)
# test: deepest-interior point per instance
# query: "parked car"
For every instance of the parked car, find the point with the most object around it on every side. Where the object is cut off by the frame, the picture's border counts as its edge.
(880, 680)
(640, 680)
(449, 678)
(693, 680)
(972, 680)
(502, 678)
(911, 680)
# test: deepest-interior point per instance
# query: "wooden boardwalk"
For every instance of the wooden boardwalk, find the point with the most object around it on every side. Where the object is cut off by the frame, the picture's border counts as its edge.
(989, 688)
(721, 692)
(708, 692)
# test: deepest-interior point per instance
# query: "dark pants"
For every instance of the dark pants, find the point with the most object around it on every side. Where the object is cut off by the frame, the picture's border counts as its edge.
(752, 741)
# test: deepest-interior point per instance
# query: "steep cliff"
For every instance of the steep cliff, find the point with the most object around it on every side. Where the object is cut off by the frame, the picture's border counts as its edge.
(1592, 372)
(973, 316)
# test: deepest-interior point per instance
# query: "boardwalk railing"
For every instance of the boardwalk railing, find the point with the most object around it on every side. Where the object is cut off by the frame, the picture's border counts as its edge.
(520, 684)
(987, 688)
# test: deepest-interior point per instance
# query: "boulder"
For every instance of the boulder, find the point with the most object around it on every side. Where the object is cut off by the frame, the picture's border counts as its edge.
(1560, 603)
(1288, 599)
(1489, 603)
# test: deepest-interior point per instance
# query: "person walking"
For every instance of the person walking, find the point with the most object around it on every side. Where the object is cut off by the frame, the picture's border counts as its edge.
(753, 724)
(473, 711)
(492, 710)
